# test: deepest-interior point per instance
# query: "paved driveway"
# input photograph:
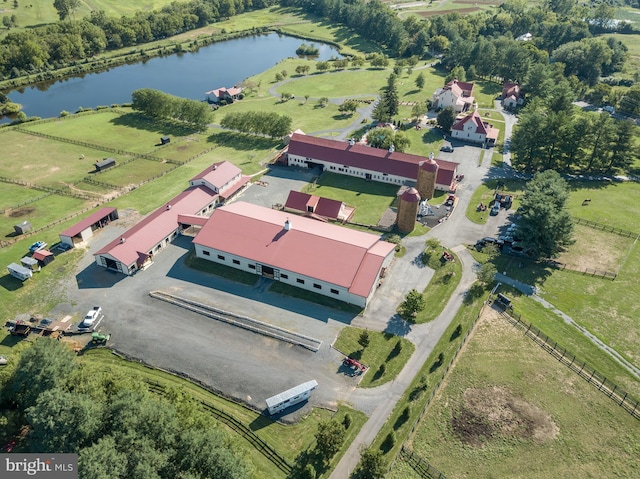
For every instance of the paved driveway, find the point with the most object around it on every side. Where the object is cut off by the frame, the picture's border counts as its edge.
(244, 365)
(276, 185)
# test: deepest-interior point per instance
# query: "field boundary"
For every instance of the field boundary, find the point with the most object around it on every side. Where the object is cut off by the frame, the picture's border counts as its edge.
(263, 447)
(610, 229)
(582, 369)
(417, 463)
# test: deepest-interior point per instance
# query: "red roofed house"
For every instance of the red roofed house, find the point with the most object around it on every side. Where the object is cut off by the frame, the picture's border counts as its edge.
(134, 250)
(455, 94)
(348, 158)
(84, 229)
(214, 96)
(474, 130)
(316, 206)
(511, 96)
(321, 257)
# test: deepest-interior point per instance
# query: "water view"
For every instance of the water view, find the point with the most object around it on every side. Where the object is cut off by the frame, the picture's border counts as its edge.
(188, 75)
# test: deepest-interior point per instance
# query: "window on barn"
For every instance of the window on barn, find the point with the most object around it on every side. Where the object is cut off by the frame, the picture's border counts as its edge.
(284, 276)
(235, 261)
(301, 281)
(335, 291)
(206, 253)
(220, 257)
(252, 266)
(317, 286)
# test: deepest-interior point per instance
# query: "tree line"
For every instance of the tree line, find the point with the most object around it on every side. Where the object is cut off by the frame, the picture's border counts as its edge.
(258, 123)
(56, 45)
(162, 106)
(118, 428)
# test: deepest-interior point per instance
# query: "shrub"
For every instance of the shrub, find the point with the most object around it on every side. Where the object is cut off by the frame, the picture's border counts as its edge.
(346, 422)
(64, 113)
(388, 442)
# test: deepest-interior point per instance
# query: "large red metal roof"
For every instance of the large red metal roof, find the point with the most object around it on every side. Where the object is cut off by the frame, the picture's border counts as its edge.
(367, 158)
(151, 230)
(323, 251)
(87, 222)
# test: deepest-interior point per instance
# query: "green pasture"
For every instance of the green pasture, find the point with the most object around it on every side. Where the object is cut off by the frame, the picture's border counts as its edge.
(183, 149)
(337, 84)
(249, 153)
(509, 409)
(370, 198)
(384, 348)
(613, 204)
(424, 141)
(12, 195)
(128, 131)
(628, 13)
(133, 172)
(46, 162)
(486, 92)
(41, 213)
(260, 18)
(306, 115)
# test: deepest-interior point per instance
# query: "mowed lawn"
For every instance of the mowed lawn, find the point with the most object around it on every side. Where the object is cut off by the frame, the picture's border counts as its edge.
(370, 198)
(508, 409)
(46, 162)
(41, 213)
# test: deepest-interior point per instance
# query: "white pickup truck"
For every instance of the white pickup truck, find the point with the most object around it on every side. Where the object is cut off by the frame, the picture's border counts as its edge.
(92, 318)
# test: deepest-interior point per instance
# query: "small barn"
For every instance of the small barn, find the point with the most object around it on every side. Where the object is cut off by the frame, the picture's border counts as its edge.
(22, 228)
(84, 229)
(165, 140)
(19, 272)
(105, 164)
(30, 263)
(43, 257)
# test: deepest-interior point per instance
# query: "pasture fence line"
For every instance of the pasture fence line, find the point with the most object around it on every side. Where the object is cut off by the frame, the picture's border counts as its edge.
(54, 191)
(11, 242)
(419, 464)
(24, 203)
(582, 369)
(263, 447)
(607, 228)
(576, 269)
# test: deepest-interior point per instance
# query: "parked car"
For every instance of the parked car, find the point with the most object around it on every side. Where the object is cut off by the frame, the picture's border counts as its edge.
(91, 318)
(447, 148)
(37, 246)
(495, 209)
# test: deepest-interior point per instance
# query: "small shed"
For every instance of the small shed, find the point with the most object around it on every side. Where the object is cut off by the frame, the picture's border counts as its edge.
(165, 139)
(19, 272)
(30, 263)
(43, 257)
(104, 164)
(22, 228)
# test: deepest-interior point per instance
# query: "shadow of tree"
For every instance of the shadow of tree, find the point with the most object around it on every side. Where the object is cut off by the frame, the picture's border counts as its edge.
(164, 127)
(240, 141)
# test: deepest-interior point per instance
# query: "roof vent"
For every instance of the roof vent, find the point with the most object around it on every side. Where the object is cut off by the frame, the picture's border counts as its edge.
(215, 167)
(431, 155)
(287, 225)
(122, 240)
(168, 207)
(352, 142)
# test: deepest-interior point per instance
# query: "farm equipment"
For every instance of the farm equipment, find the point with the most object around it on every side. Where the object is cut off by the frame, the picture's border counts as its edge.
(99, 338)
(355, 366)
(21, 329)
(448, 256)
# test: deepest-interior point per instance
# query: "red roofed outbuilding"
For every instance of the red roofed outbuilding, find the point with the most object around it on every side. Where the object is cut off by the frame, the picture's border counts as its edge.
(331, 260)
(345, 158)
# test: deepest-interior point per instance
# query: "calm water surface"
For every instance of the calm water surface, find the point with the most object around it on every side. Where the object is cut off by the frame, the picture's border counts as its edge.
(187, 75)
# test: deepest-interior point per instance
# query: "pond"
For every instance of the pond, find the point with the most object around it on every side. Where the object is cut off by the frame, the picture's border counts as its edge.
(188, 75)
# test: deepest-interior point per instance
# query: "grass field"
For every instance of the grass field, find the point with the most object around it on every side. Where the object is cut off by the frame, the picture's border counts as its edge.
(40, 213)
(484, 194)
(50, 163)
(12, 195)
(370, 198)
(133, 173)
(384, 348)
(510, 410)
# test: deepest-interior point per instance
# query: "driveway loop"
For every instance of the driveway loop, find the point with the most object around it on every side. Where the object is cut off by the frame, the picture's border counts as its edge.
(240, 321)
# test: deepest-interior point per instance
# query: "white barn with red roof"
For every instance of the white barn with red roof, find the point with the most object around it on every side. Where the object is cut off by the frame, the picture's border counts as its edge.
(83, 230)
(474, 129)
(349, 158)
(135, 249)
(331, 260)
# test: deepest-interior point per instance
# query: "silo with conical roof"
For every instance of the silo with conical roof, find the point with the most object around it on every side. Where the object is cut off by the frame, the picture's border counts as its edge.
(408, 204)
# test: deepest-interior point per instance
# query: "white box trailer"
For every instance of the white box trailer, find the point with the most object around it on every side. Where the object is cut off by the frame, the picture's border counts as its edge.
(292, 396)
(19, 272)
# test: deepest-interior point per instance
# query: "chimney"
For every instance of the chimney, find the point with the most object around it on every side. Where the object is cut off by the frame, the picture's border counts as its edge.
(287, 225)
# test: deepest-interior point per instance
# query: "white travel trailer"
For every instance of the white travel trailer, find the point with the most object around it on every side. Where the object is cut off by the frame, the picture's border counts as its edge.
(20, 272)
(292, 396)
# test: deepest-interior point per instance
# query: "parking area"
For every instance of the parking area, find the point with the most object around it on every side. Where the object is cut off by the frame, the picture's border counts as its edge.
(274, 186)
(242, 364)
